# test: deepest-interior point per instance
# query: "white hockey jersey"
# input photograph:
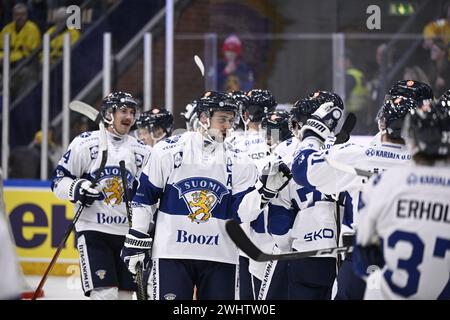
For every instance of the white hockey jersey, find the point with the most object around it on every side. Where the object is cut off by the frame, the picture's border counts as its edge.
(11, 279)
(254, 145)
(301, 218)
(310, 168)
(408, 210)
(199, 186)
(82, 160)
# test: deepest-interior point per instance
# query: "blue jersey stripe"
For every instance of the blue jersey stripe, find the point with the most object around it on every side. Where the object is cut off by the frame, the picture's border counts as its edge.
(258, 224)
(147, 193)
(300, 168)
(280, 219)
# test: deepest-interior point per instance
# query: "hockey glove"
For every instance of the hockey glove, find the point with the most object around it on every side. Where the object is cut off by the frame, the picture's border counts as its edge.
(80, 192)
(275, 176)
(322, 122)
(136, 249)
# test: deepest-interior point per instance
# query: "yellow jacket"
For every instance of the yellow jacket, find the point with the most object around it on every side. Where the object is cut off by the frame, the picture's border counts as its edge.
(57, 43)
(437, 28)
(359, 94)
(23, 42)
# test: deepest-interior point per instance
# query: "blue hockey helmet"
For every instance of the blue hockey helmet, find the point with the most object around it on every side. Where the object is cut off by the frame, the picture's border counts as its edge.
(427, 128)
(392, 114)
(117, 100)
(156, 118)
(260, 103)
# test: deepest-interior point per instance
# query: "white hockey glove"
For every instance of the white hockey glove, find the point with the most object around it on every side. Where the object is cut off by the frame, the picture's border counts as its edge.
(275, 176)
(136, 249)
(322, 122)
(80, 192)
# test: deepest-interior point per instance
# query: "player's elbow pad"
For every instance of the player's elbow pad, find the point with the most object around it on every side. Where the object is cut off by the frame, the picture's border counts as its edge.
(61, 187)
(300, 168)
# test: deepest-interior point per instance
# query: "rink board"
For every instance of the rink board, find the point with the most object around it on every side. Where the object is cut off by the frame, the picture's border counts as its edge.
(38, 222)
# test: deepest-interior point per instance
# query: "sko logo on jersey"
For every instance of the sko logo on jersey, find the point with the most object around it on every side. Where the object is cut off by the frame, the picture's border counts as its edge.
(201, 196)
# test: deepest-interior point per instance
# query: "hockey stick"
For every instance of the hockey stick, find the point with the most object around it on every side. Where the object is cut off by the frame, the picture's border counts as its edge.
(248, 247)
(86, 110)
(347, 127)
(199, 64)
(348, 168)
(342, 137)
(141, 292)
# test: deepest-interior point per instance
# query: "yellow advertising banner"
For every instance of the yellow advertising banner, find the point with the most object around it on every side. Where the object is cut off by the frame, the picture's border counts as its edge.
(38, 222)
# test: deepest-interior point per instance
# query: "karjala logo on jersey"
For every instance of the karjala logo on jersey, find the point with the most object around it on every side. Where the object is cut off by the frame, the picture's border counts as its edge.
(201, 196)
(370, 152)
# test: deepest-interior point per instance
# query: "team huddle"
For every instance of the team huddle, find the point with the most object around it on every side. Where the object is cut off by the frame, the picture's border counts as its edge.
(270, 170)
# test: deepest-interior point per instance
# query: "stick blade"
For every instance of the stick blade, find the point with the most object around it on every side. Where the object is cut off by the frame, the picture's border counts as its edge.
(85, 109)
(239, 237)
(199, 64)
(347, 127)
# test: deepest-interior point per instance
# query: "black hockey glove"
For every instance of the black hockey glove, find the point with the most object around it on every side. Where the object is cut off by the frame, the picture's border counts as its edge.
(322, 122)
(80, 192)
(275, 176)
(136, 249)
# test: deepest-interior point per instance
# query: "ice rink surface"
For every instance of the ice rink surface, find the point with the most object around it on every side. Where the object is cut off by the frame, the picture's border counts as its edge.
(58, 288)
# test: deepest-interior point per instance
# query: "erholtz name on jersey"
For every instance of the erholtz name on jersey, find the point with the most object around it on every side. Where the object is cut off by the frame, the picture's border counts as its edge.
(201, 196)
(426, 210)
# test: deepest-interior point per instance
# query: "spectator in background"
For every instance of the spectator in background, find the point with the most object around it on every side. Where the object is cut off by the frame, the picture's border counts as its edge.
(440, 75)
(24, 35)
(80, 125)
(60, 28)
(356, 95)
(24, 38)
(384, 58)
(25, 161)
(438, 28)
(233, 74)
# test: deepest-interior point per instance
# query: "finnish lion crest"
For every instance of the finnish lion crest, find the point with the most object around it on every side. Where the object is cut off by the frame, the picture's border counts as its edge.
(203, 200)
(113, 191)
(201, 196)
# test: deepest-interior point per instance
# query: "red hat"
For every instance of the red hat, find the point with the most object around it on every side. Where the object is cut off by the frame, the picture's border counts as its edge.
(232, 43)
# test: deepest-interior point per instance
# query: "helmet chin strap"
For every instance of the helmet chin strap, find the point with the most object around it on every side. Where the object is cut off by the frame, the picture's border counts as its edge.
(111, 125)
(205, 127)
(246, 122)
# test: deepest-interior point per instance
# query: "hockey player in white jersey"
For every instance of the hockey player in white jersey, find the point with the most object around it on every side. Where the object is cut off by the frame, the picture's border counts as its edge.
(11, 276)
(251, 142)
(103, 223)
(415, 90)
(154, 125)
(199, 184)
(310, 168)
(302, 219)
(405, 216)
(273, 285)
